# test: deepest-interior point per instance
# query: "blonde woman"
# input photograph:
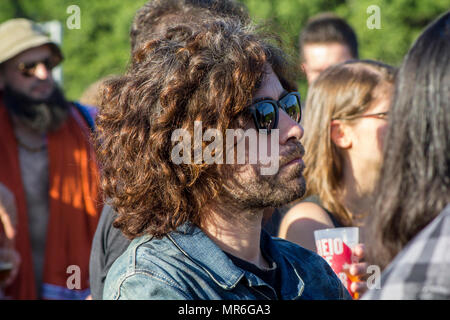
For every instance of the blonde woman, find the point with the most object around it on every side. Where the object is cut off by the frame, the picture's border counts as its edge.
(345, 120)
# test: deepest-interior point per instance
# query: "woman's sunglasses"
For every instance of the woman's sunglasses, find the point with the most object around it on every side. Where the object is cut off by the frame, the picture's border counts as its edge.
(28, 69)
(379, 115)
(265, 112)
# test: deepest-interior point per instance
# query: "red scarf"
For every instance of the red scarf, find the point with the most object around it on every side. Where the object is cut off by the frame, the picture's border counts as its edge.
(74, 205)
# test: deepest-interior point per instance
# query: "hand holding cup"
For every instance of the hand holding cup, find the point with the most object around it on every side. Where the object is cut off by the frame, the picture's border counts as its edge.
(341, 249)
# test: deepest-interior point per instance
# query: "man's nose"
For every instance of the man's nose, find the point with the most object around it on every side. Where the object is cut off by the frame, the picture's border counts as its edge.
(42, 72)
(289, 128)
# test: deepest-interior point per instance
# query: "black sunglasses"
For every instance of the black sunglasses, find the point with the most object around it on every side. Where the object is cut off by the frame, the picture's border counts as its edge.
(265, 112)
(28, 69)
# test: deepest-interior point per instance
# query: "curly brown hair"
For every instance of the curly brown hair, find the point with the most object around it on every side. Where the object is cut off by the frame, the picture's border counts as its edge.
(157, 14)
(207, 71)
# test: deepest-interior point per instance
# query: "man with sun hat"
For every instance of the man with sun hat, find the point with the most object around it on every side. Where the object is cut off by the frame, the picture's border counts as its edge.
(48, 165)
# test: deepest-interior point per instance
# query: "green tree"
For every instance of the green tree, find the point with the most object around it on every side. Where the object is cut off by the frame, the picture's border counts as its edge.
(99, 48)
(401, 22)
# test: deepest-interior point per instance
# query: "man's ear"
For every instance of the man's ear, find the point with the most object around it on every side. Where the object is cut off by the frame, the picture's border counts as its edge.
(303, 66)
(305, 70)
(340, 134)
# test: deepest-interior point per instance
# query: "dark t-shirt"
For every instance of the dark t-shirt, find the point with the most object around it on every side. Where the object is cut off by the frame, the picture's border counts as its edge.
(108, 244)
(270, 276)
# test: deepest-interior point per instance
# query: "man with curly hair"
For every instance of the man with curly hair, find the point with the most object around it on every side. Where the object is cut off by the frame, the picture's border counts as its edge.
(196, 226)
(155, 16)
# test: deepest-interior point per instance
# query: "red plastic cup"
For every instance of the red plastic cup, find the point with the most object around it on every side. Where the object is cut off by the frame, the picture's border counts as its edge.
(335, 246)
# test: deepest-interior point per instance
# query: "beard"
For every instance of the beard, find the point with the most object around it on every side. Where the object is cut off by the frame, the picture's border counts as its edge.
(248, 190)
(43, 115)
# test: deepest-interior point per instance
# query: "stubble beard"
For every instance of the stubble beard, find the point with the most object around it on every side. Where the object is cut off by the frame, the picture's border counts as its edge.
(249, 191)
(261, 192)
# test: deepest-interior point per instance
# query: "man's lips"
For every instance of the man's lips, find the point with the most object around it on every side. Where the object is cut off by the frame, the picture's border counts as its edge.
(42, 85)
(295, 161)
(293, 157)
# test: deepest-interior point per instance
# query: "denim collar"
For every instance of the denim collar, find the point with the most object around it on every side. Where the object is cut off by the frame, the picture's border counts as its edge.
(293, 284)
(198, 247)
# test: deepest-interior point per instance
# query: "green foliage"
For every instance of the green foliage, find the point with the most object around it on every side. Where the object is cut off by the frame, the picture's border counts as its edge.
(401, 22)
(101, 46)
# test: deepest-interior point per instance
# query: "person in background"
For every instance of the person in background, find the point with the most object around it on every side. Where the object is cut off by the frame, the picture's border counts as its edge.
(150, 20)
(326, 40)
(409, 230)
(345, 120)
(48, 164)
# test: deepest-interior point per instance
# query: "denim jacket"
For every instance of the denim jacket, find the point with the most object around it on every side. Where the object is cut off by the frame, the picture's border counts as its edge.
(187, 264)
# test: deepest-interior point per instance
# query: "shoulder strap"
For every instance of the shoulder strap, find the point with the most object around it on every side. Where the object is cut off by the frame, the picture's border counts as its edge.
(86, 115)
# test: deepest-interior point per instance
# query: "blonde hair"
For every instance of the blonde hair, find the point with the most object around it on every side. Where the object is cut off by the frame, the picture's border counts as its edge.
(342, 91)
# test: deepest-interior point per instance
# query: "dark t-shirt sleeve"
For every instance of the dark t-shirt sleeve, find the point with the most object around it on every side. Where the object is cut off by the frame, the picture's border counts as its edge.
(108, 244)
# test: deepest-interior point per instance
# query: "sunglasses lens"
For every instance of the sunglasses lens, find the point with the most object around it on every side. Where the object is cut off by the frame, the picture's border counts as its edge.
(28, 69)
(292, 106)
(265, 114)
(50, 63)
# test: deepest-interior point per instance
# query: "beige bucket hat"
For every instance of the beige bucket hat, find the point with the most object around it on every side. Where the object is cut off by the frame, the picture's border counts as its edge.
(18, 35)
